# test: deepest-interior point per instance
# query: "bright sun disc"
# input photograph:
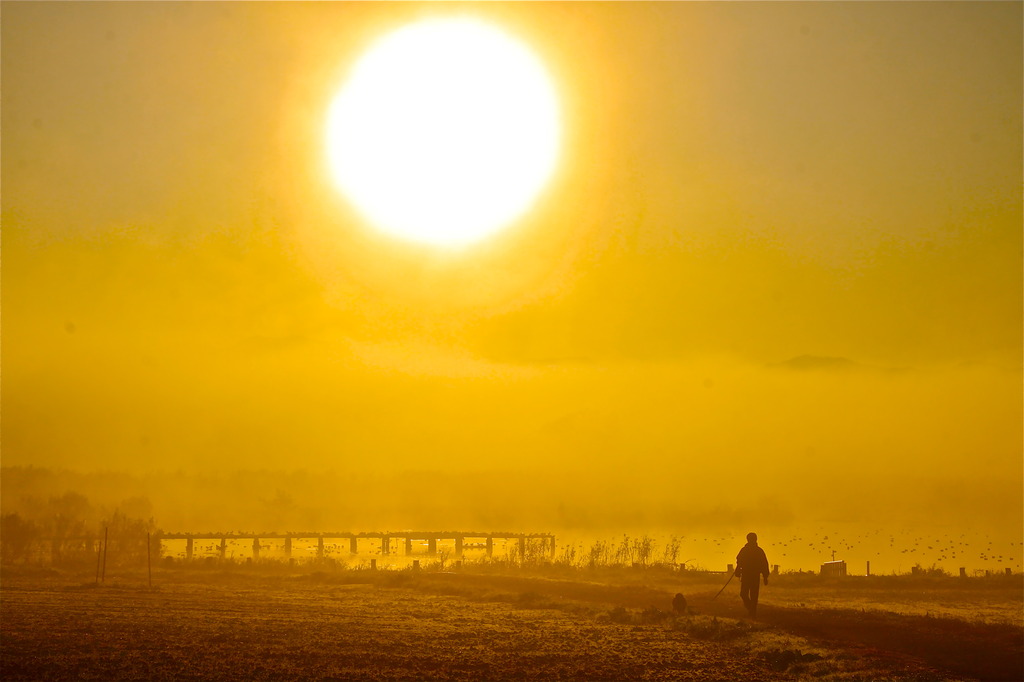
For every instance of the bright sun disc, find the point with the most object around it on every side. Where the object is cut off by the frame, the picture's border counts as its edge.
(445, 132)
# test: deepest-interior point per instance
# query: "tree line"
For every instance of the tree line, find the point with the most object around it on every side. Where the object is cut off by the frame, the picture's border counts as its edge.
(67, 529)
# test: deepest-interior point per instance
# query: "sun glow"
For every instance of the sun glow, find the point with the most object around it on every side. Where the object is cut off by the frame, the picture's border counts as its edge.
(445, 131)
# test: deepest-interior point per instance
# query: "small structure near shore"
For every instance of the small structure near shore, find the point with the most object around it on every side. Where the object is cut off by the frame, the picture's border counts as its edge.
(833, 569)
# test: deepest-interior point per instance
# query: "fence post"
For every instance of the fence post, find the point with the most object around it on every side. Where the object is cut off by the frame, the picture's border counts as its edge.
(103, 574)
(149, 560)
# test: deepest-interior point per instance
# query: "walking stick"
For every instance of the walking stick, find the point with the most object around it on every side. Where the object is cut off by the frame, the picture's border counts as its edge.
(731, 576)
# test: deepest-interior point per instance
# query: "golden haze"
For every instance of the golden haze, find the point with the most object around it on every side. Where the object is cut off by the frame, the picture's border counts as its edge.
(777, 274)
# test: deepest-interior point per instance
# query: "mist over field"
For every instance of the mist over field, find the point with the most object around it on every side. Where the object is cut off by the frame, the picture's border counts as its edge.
(585, 451)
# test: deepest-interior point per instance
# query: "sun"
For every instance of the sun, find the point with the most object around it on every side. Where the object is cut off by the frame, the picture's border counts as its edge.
(445, 131)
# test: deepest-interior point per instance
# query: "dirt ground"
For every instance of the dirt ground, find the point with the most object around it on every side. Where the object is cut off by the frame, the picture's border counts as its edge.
(363, 625)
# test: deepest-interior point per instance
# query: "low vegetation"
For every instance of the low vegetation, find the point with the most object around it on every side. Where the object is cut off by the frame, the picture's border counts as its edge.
(237, 623)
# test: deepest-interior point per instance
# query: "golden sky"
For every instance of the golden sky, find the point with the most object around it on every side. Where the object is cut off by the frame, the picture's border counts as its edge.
(783, 246)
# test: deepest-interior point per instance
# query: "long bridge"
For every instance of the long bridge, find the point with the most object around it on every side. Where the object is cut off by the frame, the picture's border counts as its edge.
(477, 540)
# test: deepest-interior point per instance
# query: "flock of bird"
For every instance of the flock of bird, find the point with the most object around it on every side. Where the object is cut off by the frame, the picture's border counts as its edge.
(915, 548)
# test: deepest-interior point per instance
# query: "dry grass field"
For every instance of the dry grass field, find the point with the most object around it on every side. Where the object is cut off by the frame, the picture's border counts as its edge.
(246, 624)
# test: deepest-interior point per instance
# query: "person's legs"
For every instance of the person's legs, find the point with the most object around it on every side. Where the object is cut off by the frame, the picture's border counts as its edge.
(752, 592)
(745, 588)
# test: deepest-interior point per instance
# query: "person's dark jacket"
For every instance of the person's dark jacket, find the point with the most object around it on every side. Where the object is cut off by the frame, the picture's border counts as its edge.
(751, 562)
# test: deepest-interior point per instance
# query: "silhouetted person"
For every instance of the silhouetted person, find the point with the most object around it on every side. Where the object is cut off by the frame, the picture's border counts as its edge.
(679, 604)
(751, 564)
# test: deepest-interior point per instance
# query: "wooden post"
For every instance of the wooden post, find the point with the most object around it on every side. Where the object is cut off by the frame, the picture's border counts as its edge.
(775, 568)
(963, 572)
(223, 547)
(490, 546)
(458, 545)
(1009, 571)
(103, 574)
(408, 546)
(385, 545)
(353, 546)
(189, 547)
(255, 549)
(149, 561)
(99, 555)
(373, 564)
(868, 569)
(415, 564)
(728, 568)
(552, 551)
(320, 547)
(522, 550)
(432, 546)
(288, 547)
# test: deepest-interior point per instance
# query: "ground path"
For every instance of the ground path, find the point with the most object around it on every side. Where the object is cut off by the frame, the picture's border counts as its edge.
(986, 651)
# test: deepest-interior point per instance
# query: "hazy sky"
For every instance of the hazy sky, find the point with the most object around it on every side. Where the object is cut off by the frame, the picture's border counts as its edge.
(741, 185)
